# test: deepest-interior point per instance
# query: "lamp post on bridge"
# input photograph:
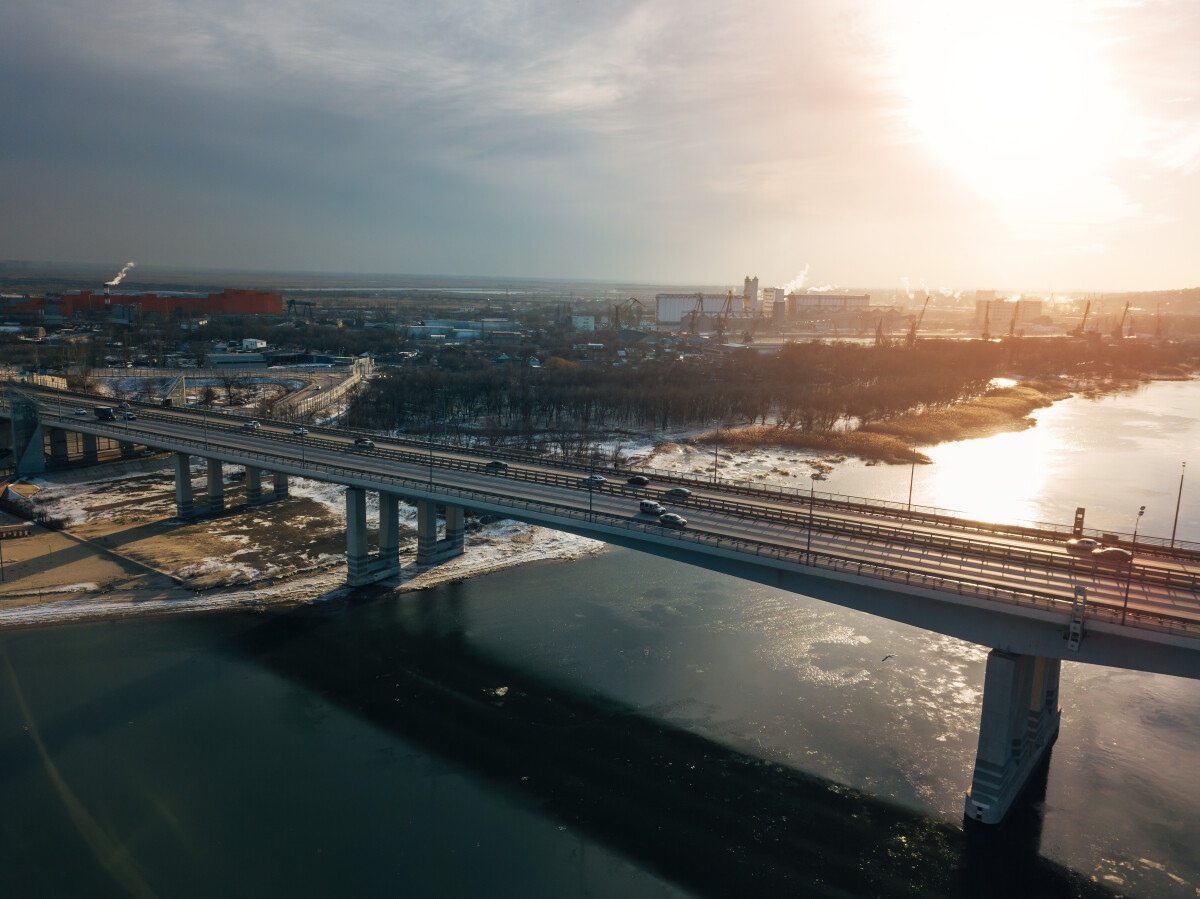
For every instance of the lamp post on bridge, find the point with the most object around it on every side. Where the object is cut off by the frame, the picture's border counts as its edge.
(812, 488)
(716, 446)
(911, 474)
(1129, 574)
(1178, 499)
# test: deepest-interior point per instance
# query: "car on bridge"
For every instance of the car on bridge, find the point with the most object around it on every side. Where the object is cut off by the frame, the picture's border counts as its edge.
(129, 416)
(1112, 555)
(638, 480)
(679, 492)
(251, 425)
(363, 443)
(300, 432)
(81, 411)
(671, 520)
(1082, 545)
(650, 507)
(496, 465)
(593, 480)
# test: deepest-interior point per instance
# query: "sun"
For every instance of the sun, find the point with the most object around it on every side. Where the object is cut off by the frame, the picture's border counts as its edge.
(1021, 101)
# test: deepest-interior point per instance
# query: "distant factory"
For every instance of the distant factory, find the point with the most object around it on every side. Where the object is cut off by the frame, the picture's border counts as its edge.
(130, 307)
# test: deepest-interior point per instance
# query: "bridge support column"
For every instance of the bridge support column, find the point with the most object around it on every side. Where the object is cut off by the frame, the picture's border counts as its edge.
(361, 567)
(389, 529)
(253, 484)
(281, 485)
(128, 450)
(90, 449)
(1018, 724)
(216, 486)
(430, 550)
(184, 508)
(58, 446)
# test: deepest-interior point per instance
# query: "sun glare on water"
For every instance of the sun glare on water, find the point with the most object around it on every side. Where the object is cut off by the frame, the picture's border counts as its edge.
(1021, 101)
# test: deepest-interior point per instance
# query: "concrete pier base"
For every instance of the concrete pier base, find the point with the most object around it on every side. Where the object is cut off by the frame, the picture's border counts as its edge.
(90, 449)
(1018, 724)
(128, 450)
(184, 506)
(254, 493)
(281, 485)
(58, 446)
(431, 550)
(216, 486)
(362, 567)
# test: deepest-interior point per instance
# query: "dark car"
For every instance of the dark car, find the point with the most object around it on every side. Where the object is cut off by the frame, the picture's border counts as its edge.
(496, 465)
(679, 492)
(364, 443)
(671, 520)
(129, 416)
(638, 480)
(1112, 555)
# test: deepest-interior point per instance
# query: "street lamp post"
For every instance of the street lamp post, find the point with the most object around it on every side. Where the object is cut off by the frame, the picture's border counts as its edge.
(812, 487)
(1178, 499)
(911, 474)
(1129, 574)
(716, 447)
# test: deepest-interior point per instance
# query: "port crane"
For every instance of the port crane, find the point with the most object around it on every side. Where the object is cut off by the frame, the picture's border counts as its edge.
(1120, 329)
(1078, 332)
(292, 303)
(695, 312)
(916, 325)
(1012, 324)
(723, 316)
(627, 306)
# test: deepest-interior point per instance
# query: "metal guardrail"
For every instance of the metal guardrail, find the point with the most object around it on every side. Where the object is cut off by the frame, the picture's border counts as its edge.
(1039, 531)
(740, 545)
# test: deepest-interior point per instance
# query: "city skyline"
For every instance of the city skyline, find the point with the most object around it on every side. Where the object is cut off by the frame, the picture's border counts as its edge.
(1048, 146)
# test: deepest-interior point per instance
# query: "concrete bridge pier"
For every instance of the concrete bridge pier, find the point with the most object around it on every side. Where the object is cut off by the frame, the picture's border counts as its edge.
(281, 485)
(128, 450)
(216, 486)
(90, 448)
(184, 507)
(430, 550)
(58, 446)
(361, 567)
(1018, 724)
(253, 485)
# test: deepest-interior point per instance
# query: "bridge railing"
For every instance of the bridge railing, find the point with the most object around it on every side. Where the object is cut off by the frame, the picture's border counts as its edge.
(1167, 578)
(741, 546)
(1040, 531)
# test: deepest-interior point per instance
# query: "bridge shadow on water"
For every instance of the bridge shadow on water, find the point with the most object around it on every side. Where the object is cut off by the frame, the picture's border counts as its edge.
(716, 821)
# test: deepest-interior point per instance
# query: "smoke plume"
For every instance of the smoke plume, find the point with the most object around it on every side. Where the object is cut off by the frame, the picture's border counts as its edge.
(794, 285)
(121, 274)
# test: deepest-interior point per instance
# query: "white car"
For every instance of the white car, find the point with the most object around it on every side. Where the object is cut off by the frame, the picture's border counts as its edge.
(81, 411)
(593, 480)
(301, 432)
(251, 426)
(1082, 545)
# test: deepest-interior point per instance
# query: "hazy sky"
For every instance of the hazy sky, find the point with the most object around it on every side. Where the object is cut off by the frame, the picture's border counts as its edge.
(966, 143)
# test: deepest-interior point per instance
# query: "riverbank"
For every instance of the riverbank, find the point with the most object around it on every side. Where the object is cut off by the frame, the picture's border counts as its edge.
(130, 556)
(896, 441)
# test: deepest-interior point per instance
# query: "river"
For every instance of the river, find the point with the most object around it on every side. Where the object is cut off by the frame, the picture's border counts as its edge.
(615, 726)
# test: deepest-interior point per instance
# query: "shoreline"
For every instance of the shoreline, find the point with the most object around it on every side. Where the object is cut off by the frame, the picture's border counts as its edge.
(897, 441)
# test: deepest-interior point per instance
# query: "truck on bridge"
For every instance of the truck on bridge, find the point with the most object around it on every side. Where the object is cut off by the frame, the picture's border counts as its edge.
(105, 413)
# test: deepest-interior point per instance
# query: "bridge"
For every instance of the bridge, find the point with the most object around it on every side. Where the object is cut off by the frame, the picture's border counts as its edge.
(1014, 589)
